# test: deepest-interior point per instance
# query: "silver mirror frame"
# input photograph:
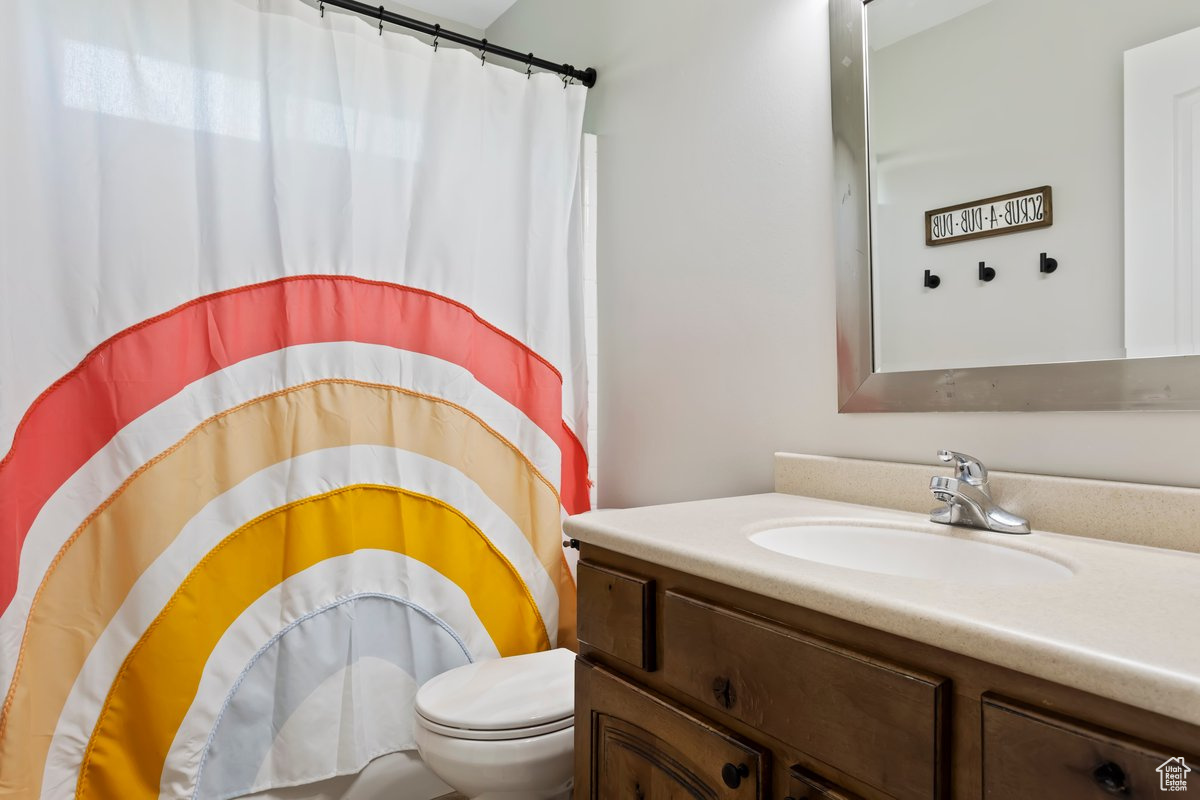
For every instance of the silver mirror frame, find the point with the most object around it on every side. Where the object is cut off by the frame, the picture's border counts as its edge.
(1133, 384)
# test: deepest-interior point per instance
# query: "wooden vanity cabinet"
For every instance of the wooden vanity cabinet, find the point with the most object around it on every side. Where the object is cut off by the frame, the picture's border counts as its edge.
(804, 785)
(647, 747)
(872, 718)
(616, 614)
(1026, 751)
(688, 688)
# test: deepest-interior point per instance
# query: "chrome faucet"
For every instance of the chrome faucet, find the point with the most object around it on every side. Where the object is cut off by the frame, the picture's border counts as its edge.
(967, 498)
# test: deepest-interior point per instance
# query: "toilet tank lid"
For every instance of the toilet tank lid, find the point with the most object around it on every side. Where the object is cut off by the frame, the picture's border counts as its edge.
(502, 693)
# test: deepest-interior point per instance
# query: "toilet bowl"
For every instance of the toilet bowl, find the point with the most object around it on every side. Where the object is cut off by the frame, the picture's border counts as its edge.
(502, 729)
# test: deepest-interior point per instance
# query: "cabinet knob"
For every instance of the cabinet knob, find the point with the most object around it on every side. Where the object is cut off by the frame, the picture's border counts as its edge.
(723, 691)
(1111, 778)
(733, 775)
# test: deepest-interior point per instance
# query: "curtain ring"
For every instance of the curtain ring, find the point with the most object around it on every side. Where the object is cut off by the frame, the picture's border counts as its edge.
(566, 78)
(483, 52)
(529, 66)
(321, 5)
(381, 20)
(437, 33)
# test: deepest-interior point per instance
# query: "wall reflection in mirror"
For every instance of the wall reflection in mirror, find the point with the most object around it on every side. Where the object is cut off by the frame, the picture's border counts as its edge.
(971, 100)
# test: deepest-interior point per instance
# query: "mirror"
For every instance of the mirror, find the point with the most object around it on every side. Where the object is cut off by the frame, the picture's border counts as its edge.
(1018, 203)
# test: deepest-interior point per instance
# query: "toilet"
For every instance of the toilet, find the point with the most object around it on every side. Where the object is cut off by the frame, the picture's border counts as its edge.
(502, 729)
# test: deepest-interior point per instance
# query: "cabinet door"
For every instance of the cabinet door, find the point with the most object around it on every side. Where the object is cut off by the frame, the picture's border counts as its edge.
(634, 745)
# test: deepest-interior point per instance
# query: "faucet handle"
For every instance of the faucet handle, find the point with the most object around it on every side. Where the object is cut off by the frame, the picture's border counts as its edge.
(968, 468)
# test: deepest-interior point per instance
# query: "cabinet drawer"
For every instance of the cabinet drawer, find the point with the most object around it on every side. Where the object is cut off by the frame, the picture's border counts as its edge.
(1030, 754)
(616, 614)
(878, 722)
(645, 748)
(803, 785)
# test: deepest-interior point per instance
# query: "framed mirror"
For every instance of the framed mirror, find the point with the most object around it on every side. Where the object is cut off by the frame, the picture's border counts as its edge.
(1018, 204)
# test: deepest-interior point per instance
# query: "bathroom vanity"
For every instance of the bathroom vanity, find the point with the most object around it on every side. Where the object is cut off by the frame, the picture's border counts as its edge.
(711, 667)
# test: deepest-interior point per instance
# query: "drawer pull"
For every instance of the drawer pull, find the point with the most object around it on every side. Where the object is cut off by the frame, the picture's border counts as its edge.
(724, 692)
(1111, 778)
(733, 775)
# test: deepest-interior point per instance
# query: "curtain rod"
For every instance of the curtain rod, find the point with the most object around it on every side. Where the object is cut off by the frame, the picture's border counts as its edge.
(585, 76)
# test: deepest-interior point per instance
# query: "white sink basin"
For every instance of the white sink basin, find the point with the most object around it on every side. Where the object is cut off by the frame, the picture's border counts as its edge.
(910, 553)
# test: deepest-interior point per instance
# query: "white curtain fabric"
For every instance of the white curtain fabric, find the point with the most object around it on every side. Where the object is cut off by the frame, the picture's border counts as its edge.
(155, 152)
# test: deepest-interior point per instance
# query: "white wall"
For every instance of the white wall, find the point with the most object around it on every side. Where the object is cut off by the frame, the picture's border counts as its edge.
(956, 118)
(716, 292)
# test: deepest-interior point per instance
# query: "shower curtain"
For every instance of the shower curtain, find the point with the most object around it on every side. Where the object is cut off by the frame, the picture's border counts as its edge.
(292, 387)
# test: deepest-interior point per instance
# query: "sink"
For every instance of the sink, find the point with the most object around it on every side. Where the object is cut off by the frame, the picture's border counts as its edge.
(910, 553)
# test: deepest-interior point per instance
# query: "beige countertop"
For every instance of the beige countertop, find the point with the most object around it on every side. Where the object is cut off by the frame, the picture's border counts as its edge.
(1126, 625)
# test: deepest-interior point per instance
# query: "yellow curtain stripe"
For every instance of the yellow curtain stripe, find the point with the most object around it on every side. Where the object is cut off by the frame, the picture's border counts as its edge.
(158, 680)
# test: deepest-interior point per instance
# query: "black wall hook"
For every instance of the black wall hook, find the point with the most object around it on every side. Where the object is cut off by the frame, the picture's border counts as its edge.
(932, 281)
(1047, 264)
(986, 273)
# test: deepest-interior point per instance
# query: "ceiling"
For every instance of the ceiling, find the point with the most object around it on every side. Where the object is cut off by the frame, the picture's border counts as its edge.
(478, 14)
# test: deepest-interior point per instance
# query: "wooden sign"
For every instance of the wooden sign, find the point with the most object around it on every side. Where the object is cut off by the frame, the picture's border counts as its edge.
(995, 216)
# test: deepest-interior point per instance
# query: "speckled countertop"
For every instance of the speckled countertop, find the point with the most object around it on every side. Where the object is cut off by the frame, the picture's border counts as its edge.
(1126, 625)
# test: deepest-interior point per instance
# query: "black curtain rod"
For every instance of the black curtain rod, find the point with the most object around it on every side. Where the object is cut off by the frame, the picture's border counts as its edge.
(585, 76)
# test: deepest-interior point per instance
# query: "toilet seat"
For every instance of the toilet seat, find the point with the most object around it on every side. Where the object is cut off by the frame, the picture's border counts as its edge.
(495, 735)
(518, 697)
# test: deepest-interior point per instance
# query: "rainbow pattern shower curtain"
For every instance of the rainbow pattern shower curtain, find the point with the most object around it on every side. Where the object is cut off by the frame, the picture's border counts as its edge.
(292, 387)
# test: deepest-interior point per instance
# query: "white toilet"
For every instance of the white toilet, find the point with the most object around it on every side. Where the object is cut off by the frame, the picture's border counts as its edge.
(502, 729)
